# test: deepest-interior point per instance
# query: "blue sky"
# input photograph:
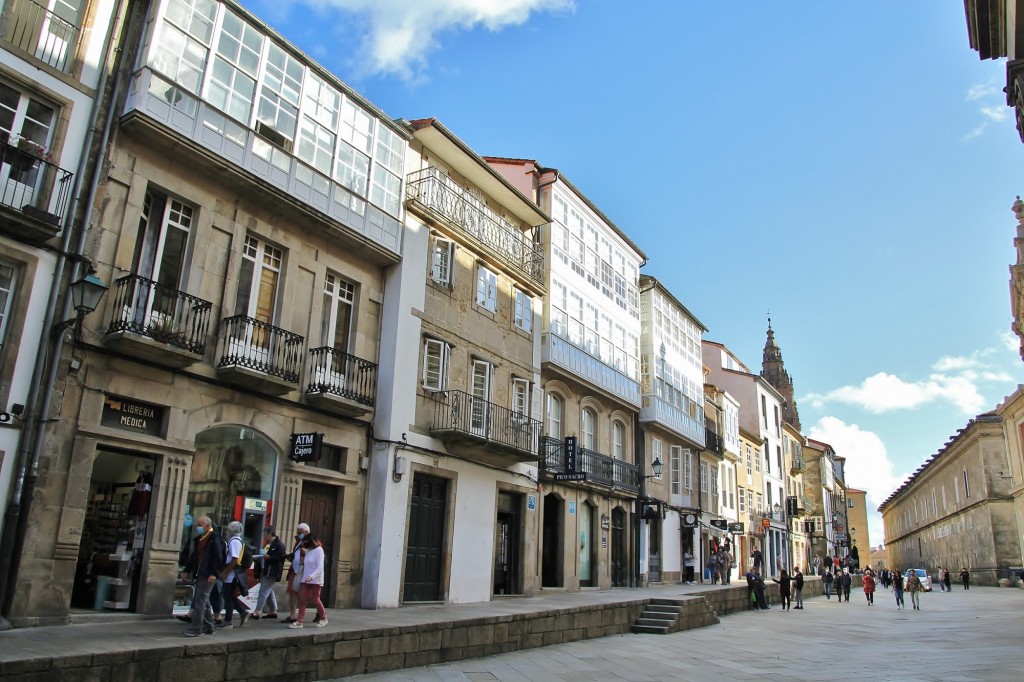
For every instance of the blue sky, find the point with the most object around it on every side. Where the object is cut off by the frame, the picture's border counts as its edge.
(849, 166)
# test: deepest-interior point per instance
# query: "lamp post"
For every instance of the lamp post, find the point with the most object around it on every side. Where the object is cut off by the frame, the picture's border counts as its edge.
(86, 293)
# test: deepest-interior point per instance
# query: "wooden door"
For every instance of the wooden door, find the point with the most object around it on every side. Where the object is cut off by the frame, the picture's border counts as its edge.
(424, 556)
(318, 509)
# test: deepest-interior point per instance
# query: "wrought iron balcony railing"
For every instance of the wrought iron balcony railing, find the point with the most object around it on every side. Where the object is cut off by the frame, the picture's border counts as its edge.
(465, 414)
(598, 468)
(337, 373)
(796, 465)
(433, 193)
(30, 183)
(144, 307)
(258, 346)
(32, 28)
(713, 442)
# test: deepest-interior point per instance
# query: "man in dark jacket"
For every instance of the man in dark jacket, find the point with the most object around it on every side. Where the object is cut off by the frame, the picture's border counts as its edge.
(798, 589)
(209, 558)
(845, 582)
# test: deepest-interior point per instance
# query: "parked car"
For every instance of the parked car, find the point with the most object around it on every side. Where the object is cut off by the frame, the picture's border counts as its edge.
(926, 579)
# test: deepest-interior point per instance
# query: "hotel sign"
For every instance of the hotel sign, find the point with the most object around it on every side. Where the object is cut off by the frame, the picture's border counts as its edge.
(134, 416)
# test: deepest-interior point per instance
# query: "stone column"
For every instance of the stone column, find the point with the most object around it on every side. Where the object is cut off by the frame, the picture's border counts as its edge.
(287, 506)
(164, 534)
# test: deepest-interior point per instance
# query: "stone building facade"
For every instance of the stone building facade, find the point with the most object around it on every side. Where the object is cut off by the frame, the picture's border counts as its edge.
(956, 510)
(231, 369)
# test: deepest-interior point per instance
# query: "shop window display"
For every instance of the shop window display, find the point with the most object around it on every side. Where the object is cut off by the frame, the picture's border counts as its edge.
(232, 467)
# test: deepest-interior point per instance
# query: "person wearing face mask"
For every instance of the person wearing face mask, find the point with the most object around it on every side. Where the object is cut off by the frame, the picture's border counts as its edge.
(209, 557)
(295, 573)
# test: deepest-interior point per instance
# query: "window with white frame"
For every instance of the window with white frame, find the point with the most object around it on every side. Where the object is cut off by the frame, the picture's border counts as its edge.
(619, 441)
(757, 459)
(486, 288)
(436, 355)
(441, 259)
(656, 452)
(675, 468)
(481, 391)
(743, 501)
(555, 411)
(760, 504)
(278, 110)
(523, 311)
(336, 323)
(750, 501)
(588, 425)
(520, 397)
(7, 283)
(688, 470)
(714, 483)
(705, 502)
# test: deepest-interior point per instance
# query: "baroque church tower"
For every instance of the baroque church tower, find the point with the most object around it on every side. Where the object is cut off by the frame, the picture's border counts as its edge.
(774, 371)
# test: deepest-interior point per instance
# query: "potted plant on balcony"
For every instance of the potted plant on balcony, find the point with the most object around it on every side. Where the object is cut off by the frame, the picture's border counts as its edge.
(30, 152)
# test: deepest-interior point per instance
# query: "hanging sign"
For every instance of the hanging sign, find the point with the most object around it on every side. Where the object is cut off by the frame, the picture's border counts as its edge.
(570, 455)
(305, 447)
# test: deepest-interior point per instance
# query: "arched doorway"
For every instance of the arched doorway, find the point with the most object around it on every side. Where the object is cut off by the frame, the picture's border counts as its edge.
(233, 472)
(619, 563)
(552, 555)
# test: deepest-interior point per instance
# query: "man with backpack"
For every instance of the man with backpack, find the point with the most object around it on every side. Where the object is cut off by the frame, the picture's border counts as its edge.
(236, 583)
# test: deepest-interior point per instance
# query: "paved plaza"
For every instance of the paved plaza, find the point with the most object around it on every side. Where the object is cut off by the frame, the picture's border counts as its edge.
(957, 636)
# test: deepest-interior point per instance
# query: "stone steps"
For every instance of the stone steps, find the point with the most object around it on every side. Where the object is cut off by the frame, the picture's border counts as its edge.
(665, 616)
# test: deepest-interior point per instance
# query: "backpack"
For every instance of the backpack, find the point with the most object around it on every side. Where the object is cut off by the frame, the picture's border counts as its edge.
(245, 558)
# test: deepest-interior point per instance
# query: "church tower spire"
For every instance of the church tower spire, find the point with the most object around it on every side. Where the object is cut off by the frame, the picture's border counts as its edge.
(774, 371)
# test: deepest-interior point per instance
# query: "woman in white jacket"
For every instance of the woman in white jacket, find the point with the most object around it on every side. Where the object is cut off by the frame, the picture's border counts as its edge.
(312, 581)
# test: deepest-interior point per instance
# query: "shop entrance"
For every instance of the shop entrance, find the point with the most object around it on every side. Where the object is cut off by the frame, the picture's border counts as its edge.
(552, 556)
(110, 555)
(506, 545)
(619, 565)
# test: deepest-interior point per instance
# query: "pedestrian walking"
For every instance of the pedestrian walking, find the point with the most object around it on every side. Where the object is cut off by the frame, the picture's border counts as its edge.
(965, 578)
(817, 564)
(271, 567)
(845, 581)
(897, 588)
(947, 582)
(724, 562)
(785, 586)
(757, 559)
(313, 563)
(826, 583)
(711, 568)
(942, 579)
(233, 577)
(915, 588)
(798, 589)
(209, 557)
(294, 576)
(688, 564)
(869, 587)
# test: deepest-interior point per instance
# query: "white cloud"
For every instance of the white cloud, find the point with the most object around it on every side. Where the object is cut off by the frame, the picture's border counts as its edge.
(982, 91)
(400, 34)
(868, 466)
(955, 380)
(992, 107)
(1010, 341)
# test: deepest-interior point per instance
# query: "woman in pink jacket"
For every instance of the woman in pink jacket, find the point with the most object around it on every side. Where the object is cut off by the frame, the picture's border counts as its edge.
(312, 581)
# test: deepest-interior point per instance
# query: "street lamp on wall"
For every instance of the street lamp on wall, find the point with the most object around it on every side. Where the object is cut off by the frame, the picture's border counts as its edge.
(86, 294)
(657, 466)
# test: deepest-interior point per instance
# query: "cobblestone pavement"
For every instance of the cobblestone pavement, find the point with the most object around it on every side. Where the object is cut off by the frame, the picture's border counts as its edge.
(956, 636)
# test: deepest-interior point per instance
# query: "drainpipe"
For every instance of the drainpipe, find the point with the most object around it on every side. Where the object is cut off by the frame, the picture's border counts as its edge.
(640, 456)
(33, 427)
